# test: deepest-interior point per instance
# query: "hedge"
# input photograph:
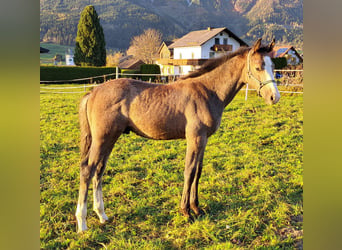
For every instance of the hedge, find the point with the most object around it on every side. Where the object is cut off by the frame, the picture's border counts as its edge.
(67, 73)
(129, 71)
(279, 62)
(149, 69)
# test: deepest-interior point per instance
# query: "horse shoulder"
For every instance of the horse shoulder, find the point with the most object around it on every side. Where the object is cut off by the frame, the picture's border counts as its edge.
(202, 110)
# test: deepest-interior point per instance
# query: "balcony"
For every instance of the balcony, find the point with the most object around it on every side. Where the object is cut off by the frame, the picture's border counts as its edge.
(180, 62)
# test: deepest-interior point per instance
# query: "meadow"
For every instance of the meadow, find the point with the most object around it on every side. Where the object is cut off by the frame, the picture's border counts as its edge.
(251, 188)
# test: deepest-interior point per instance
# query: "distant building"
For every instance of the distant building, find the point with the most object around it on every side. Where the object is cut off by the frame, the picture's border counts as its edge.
(289, 52)
(195, 48)
(69, 58)
(129, 62)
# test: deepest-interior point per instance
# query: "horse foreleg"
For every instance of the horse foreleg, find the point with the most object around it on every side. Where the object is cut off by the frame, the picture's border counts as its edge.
(192, 172)
(194, 187)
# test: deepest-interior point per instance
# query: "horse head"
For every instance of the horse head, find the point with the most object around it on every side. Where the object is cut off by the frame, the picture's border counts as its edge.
(259, 67)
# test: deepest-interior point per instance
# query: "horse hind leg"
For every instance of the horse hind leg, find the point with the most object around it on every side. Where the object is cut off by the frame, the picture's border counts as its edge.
(86, 173)
(98, 206)
(99, 158)
(92, 169)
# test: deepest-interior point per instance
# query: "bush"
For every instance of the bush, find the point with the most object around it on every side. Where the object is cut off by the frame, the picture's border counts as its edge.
(67, 74)
(149, 69)
(279, 62)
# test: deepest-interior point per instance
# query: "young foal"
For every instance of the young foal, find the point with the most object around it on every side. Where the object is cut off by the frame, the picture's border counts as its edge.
(190, 108)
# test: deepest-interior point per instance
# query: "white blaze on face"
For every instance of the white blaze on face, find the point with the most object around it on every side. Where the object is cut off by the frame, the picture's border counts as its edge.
(270, 76)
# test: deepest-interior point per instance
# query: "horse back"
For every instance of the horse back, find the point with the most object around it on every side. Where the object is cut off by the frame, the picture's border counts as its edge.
(153, 110)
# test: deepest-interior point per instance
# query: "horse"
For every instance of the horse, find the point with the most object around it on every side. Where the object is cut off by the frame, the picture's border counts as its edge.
(189, 108)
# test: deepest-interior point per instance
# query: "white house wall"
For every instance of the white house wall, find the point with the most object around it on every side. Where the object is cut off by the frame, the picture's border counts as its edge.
(187, 52)
(206, 47)
(202, 52)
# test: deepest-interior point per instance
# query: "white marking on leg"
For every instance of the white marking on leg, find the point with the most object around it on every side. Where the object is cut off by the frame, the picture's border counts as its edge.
(98, 203)
(270, 76)
(81, 215)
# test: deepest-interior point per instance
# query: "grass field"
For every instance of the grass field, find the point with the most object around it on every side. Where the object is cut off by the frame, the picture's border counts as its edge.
(251, 187)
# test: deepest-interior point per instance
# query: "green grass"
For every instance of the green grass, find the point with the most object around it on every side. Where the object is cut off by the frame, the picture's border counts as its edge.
(251, 187)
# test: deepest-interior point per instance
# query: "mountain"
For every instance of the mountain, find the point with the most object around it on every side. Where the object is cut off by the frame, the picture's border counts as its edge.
(123, 19)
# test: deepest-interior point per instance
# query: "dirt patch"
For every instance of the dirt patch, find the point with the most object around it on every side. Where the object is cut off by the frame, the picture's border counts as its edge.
(293, 232)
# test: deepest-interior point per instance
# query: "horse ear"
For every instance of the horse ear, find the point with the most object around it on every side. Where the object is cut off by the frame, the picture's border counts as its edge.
(257, 45)
(271, 45)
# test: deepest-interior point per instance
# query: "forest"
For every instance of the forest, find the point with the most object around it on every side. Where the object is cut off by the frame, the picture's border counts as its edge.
(123, 19)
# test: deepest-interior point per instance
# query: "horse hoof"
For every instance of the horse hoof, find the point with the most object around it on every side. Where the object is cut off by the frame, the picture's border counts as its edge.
(199, 213)
(82, 229)
(187, 215)
(103, 218)
(191, 219)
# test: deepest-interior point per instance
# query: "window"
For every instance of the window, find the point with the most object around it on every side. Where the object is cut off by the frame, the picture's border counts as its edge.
(211, 54)
(225, 41)
(217, 40)
(180, 55)
(192, 55)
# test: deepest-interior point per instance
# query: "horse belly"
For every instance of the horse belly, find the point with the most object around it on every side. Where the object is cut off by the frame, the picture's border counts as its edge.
(159, 126)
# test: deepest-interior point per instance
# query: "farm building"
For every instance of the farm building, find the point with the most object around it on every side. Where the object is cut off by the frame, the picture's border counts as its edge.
(289, 52)
(129, 62)
(195, 48)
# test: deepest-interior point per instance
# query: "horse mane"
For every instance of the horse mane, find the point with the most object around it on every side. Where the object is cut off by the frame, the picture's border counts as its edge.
(211, 64)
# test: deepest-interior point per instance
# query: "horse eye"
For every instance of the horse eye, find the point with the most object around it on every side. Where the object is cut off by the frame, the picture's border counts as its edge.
(261, 68)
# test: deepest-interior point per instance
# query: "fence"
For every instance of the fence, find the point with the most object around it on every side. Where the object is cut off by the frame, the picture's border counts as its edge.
(288, 81)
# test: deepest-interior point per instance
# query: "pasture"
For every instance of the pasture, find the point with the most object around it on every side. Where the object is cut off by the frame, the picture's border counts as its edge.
(251, 187)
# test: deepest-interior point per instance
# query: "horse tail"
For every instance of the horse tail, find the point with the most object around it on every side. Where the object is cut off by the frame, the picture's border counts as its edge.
(86, 138)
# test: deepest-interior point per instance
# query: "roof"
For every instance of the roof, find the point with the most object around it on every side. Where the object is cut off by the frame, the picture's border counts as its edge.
(281, 51)
(128, 62)
(199, 37)
(167, 44)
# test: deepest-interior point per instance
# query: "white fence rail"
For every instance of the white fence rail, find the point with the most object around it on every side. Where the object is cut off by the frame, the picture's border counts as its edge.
(285, 78)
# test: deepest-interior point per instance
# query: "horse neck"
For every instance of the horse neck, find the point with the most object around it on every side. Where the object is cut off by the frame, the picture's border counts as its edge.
(226, 80)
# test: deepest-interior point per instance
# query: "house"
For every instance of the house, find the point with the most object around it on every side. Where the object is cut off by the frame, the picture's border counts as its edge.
(165, 55)
(289, 52)
(69, 58)
(165, 51)
(195, 48)
(129, 62)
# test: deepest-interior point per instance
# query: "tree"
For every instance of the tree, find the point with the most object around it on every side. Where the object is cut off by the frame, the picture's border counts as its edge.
(113, 59)
(90, 47)
(145, 46)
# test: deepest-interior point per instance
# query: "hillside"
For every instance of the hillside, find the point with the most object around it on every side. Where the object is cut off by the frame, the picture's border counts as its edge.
(123, 19)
